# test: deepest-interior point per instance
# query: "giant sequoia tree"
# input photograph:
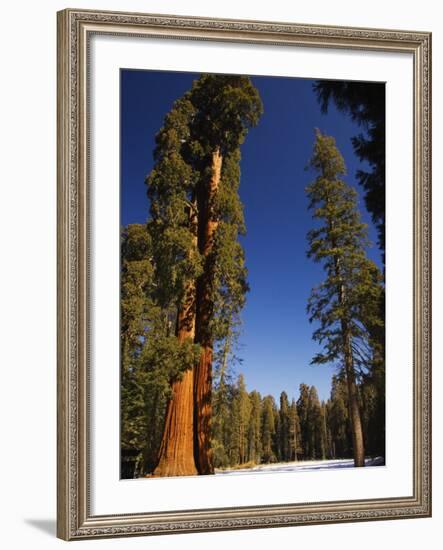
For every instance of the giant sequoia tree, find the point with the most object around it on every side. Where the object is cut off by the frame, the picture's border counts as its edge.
(171, 188)
(151, 355)
(196, 217)
(347, 302)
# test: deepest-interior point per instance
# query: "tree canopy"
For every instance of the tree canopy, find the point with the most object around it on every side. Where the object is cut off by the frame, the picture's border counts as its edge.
(366, 106)
(185, 407)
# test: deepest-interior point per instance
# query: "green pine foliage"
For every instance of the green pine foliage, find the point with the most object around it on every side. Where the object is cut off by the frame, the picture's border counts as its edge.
(284, 428)
(347, 306)
(312, 442)
(136, 308)
(216, 113)
(171, 190)
(240, 419)
(339, 242)
(366, 106)
(269, 452)
(250, 430)
(254, 429)
(295, 443)
(338, 419)
(151, 356)
(162, 258)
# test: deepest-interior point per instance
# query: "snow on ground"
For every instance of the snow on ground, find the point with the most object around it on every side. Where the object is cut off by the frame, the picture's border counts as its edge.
(301, 466)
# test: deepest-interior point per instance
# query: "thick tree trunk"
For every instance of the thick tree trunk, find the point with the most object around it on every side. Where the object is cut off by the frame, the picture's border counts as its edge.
(203, 412)
(176, 454)
(208, 224)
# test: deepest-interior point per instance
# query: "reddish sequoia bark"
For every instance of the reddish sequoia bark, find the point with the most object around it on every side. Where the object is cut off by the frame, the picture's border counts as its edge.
(176, 454)
(208, 224)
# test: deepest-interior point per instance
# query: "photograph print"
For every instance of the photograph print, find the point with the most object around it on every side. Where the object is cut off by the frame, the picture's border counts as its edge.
(252, 274)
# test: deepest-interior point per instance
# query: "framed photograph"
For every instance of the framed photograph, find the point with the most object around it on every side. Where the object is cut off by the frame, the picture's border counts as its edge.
(244, 299)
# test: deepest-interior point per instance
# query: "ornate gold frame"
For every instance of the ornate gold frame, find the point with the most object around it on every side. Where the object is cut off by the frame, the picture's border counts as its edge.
(74, 519)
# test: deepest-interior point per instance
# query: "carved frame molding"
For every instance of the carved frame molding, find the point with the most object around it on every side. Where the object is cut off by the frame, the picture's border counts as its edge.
(75, 27)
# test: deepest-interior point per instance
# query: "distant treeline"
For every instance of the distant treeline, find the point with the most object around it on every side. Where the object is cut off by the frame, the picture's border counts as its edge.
(184, 285)
(250, 429)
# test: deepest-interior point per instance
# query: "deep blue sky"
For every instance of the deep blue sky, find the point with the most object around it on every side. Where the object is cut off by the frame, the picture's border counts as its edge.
(275, 344)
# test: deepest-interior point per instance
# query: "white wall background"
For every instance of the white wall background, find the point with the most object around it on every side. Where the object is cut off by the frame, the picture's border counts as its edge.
(28, 274)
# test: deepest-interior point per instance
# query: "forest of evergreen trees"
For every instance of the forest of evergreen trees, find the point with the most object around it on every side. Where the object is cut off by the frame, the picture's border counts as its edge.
(184, 282)
(249, 429)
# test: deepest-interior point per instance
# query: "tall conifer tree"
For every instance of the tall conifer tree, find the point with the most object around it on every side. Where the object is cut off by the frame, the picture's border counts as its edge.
(254, 431)
(226, 107)
(315, 422)
(284, 435)
(303, 411)
(172, 192)
(294, 432)
(268, 429)
(350, 294)
(196, 218)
